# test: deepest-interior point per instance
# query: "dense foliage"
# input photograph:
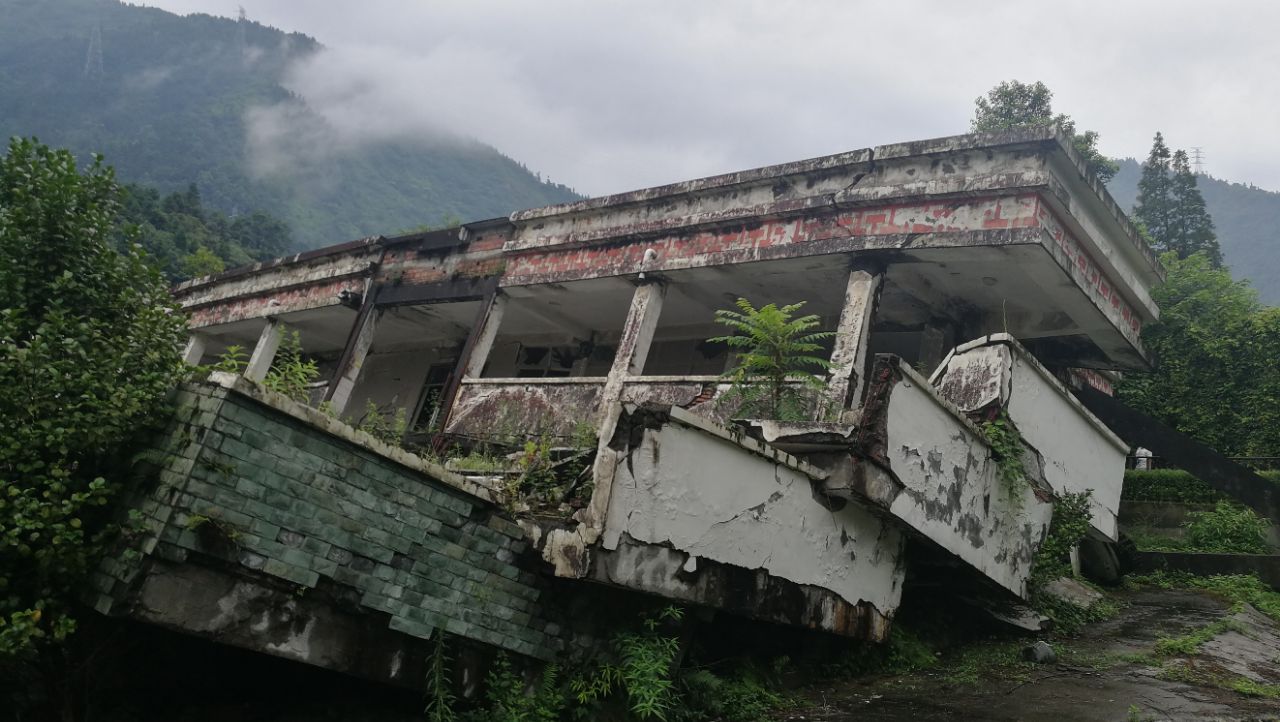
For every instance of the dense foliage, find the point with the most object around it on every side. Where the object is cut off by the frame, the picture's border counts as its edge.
(1013, 104)
(177, 100)
(185, 239)
(1216, 378)
(89, 345)
(1170, 208)
(1175, 485)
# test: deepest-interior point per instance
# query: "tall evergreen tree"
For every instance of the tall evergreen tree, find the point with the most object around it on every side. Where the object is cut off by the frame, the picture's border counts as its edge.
(1013, 104)
(1191, 228)
(1154, 209)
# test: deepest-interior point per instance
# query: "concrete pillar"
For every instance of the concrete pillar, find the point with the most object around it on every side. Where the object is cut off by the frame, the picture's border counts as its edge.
(348, 373)
(935, 341)
(264, 352)
(633, 350)
(194, 351)
(479, 353)
(849, 355)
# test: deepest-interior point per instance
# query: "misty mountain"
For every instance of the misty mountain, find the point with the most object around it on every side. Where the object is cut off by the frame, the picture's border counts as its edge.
(171, 100)
(1246, 218)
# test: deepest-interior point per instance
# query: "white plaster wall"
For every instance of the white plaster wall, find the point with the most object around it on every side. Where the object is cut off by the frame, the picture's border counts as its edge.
(952, 491)
(1077, 455)
(713, 499)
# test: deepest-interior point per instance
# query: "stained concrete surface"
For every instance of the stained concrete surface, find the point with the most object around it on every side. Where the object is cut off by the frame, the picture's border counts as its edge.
(1092, 681)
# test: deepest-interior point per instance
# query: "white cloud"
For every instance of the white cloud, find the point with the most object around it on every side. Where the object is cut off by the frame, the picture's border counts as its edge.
(612, 96)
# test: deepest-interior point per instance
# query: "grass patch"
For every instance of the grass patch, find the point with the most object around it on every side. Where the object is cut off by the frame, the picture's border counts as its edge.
(999, 659)
(1236, 588)
(1190, 673)
(1189, 644)
(905, 651)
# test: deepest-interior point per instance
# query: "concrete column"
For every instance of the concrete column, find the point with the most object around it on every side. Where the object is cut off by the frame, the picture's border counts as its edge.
(264, 352)
(633, 350)
(935, 341)
(849, 356)
(194, 351)
(353, 361)
(484, 339)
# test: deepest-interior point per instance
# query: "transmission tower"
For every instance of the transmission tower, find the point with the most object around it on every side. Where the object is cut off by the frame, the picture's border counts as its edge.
(240, 26)
(93, 59)
(1197, 159)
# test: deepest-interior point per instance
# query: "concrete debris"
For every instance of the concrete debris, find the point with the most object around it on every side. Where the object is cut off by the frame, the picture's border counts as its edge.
(1040, 653)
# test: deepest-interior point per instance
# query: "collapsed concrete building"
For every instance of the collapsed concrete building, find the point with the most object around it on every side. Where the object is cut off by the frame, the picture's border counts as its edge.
(963, 278)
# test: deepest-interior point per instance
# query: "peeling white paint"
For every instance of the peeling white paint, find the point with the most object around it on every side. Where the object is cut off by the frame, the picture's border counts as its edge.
(707, 496)
(1079, 453)
(952, 491)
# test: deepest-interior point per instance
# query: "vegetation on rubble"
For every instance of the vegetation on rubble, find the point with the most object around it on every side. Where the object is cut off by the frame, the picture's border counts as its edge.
(635, 677)
(89, 346)
(385, 425)
(291, 373)
(232, 361)
(1007, 449)
(777, 360)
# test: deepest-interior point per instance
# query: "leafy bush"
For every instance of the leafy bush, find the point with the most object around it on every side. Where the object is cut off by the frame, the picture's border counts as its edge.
(1007, 450)
(291, 372)
(1068, 527)
(1173, 485)
(386, 426)
(89, 346)
(745, 695)
(506, 700)
(1229, 529)
(905, 651)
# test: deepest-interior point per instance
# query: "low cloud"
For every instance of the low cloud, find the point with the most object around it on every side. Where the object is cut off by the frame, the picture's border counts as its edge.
(607, 97)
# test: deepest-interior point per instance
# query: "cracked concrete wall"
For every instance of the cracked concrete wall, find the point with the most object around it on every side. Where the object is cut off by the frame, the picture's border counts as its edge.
(702, 494)
(1078, 452)
(950, 487)
(542, 406)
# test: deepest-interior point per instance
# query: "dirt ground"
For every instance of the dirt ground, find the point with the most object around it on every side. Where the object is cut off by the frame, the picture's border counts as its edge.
(1111, 673)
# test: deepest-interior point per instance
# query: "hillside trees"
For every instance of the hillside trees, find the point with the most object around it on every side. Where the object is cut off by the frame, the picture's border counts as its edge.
(1013, 104)
(1215, 346)
(186, 239)
(89, 346)
(1170, 208)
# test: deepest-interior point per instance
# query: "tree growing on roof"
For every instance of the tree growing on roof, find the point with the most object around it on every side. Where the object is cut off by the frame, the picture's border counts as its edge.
(89, 346)
(1013, 104)
(776, 360)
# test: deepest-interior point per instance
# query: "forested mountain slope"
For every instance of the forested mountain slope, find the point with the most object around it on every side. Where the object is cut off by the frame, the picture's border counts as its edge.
(169, 99)
(1247, 220)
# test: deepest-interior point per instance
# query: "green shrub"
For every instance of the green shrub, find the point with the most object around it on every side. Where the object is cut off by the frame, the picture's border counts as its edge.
(1228, 528)
(1173, 485)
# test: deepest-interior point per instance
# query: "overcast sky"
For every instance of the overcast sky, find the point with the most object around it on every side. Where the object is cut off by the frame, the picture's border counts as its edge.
(610, 96)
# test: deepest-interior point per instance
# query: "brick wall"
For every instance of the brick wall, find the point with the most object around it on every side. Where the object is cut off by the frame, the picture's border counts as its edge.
(277, 490)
